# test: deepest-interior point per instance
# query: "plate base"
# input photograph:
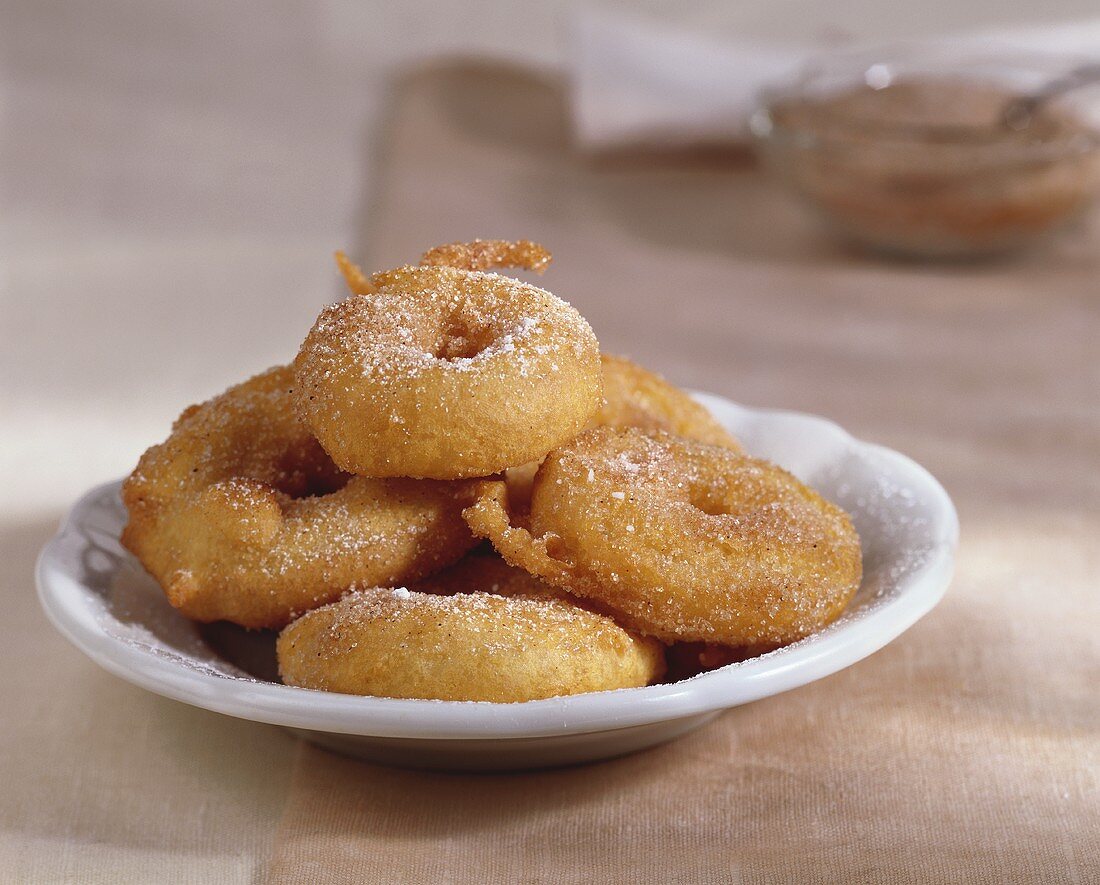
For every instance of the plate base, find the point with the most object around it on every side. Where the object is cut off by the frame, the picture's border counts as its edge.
(494, 754)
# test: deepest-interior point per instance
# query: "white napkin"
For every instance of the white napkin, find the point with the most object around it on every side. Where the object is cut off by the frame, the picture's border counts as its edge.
(639, 83)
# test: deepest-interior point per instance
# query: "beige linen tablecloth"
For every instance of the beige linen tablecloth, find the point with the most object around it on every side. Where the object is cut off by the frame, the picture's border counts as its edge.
(968, 750)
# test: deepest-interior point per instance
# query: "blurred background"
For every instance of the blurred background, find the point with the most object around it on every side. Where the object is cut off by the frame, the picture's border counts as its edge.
(175, 177)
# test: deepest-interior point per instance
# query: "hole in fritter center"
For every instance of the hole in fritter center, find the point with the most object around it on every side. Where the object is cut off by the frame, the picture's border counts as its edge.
(462, 341)
(709, 503)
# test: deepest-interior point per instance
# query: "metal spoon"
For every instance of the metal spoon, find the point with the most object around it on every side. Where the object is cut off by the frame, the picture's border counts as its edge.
(1019, 111)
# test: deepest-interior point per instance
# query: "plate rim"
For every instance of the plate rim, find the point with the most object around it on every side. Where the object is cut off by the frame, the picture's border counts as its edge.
(822, 654)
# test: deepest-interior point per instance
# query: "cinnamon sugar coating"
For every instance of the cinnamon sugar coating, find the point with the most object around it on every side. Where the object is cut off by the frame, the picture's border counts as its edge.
(475, 646)
(487, 254)
(240, 514)
(446, 373)
(636, 397)
(682, 540)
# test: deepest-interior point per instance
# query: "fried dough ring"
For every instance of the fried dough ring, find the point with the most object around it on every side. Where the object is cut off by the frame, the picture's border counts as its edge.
(683, 541)
(241, 516)
(446, 373)
(466, 647)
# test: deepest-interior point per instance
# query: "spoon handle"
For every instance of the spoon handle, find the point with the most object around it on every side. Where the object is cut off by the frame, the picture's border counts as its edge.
(1018, 112)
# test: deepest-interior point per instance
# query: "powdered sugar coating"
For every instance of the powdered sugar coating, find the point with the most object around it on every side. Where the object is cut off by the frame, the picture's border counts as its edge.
(486, 254)
(469, 646)
(725, 548)
(446, 373)
(636, 397)
(240, 515)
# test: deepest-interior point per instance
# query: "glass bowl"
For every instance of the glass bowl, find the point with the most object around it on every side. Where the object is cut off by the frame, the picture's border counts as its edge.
(906, 151)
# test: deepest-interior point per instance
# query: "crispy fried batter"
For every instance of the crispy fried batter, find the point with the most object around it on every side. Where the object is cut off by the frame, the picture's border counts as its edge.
(474, 646)
(636, 397)
(487, 254)
(240, 515)
(483, 570)
(442, 402)
(446, 373)
(357, 281)
(684, 541)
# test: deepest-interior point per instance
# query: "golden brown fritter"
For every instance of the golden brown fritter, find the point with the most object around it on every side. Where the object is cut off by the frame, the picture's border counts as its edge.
(446, 373)
(240, 514)
(464, 647)
(682, 540)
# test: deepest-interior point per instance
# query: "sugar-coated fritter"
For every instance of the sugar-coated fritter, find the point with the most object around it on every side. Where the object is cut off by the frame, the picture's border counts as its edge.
(487, 254)
(241, 516)
(443, 372)
(441, 403)
(476, 646)
(682, 540)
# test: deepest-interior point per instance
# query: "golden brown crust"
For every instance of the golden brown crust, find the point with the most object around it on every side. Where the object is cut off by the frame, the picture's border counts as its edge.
(483, 570)
(491, 517)
(357, 281)
(487, 254)
(241, 516)
(684, 541)
(446, 373)
(636, 397)
(464, 647)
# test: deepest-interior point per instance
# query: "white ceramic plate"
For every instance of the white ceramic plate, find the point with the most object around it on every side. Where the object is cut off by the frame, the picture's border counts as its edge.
(99, 597)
